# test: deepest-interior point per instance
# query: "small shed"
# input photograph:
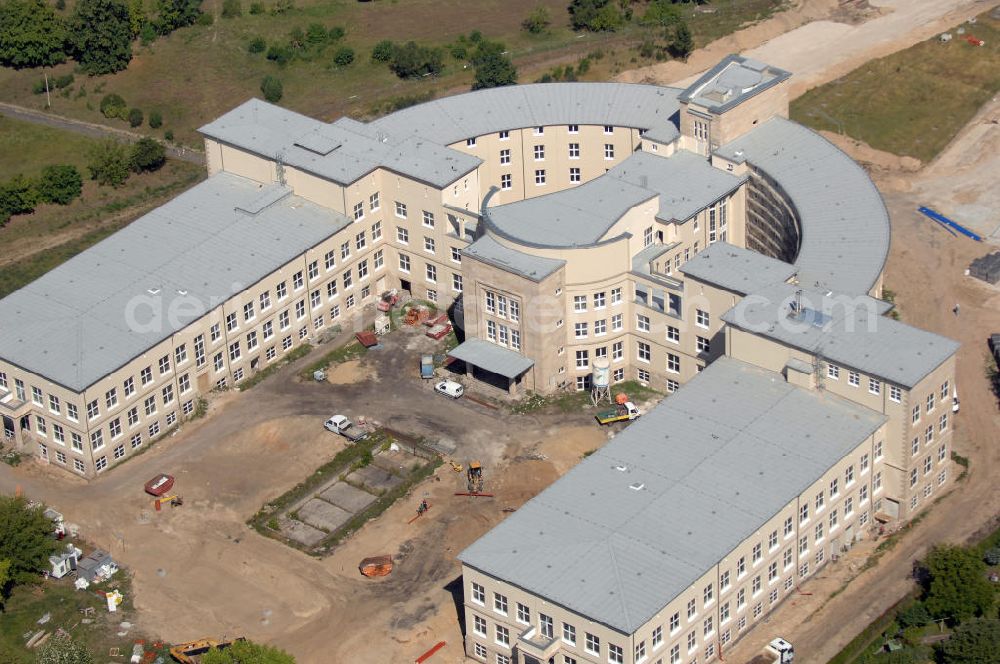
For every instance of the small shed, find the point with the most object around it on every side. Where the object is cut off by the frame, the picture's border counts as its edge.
(63, 563)
(96, 566)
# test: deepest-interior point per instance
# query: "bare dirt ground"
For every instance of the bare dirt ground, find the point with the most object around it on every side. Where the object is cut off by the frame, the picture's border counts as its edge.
(820, 40)
(199, 570)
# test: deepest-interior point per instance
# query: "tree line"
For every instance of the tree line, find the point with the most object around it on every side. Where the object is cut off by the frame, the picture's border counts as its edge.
(98, 34)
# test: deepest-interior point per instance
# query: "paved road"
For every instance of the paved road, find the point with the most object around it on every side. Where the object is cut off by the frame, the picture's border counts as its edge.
(92, 130)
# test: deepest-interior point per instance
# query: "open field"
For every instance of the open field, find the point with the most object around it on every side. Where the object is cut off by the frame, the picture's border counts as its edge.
(914, 102)
(200, 72)
(35, 243)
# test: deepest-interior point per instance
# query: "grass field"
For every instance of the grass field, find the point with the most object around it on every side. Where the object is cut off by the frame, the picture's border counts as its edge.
(64, 604)
(198, 73)
(33, 244)
(911, 103)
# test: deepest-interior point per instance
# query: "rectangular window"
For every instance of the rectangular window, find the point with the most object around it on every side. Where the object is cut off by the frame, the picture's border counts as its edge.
(592, 644)
(540, 176)
(703, 344)
(539, 152)
(500, 603)
(609, 151)
(615, 654)
(93, 409)
(673, 363)
(574, 150)
(569, 634)
(642, 323)
(574, 175)
(701, 318)
(643, 351)
(853, 378)
(401, 210)
(506, 182)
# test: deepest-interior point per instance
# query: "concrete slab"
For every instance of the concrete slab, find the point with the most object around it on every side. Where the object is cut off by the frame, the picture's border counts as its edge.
(323, 515)
(374, 479)
(347, 497)
(398, 461)
(300, 532)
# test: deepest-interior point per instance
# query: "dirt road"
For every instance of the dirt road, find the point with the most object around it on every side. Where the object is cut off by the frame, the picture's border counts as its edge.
(820, 40)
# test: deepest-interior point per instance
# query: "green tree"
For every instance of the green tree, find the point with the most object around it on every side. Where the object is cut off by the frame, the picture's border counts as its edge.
(974, 642)
(493, 68)
(173, 14)
(537, 21)
(956, 587)
(147, 155)
(247, 652)
(135, 117)
(382, 51)
(61, 649)
(272, 89)
(413, 61)
(155, 119)
(17, 196)
(101, 36)
(681, 43)
(136, 16)
(60, 184)
(25, 539)
(108, 163)
(344, 56)
(595, 15)
(915, 615)
(31, 35)
(663, 13)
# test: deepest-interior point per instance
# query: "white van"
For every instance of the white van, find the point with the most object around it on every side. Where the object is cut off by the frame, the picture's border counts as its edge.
(450, 388)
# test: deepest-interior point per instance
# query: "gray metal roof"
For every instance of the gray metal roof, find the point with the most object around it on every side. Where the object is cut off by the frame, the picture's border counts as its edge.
(716, 460)
(685, 182)
(574, 217)
(342, 151)
(491, 357)
(849, 330)
(72, 324)
(490, 251)
(844, 223)
(734, 80)
(737, 269)
(472, 114)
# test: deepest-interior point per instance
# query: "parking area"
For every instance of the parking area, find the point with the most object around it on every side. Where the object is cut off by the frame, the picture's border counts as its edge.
(199, 570)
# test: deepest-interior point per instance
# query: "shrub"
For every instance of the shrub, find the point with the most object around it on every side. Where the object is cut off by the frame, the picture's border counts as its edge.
(231, 9)
(915, 615)
(595, 15)
(336, 33)
(256, 8)
(155, 119)
(344, 56)
(108, 163)
(64, 81)
(169, 134)
(413, 61)
(205, 19)
(113, 106)
(316, 34)
(60, 184)
(279, 54)
(147, 155)
(17, 196)
(134, 117)
(257, 45)
(272, 89)
(382, 51)
(537, 21)
(39, 87)
(282, 6)
(147, 34)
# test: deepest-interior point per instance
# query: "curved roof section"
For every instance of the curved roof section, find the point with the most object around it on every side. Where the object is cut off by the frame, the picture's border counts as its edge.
(452, 119)
(844, 224)
(575, 217)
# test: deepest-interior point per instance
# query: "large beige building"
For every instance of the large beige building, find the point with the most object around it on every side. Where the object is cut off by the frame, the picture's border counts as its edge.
(673, 236)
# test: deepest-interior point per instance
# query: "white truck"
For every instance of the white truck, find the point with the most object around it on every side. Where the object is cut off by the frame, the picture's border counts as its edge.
(340, 424)
(782, 650)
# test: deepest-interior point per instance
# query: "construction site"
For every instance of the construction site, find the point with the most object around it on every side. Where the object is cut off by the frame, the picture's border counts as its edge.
(323, 509)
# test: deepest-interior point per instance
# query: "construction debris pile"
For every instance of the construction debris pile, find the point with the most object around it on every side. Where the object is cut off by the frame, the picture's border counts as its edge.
(986, 268)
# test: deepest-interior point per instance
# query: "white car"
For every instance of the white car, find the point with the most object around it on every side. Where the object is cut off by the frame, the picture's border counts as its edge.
(450, 388)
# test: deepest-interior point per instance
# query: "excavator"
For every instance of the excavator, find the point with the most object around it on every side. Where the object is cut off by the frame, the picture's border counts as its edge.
(475, 477)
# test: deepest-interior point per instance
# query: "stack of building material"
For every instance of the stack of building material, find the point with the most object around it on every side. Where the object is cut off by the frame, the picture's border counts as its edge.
(986, 268)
